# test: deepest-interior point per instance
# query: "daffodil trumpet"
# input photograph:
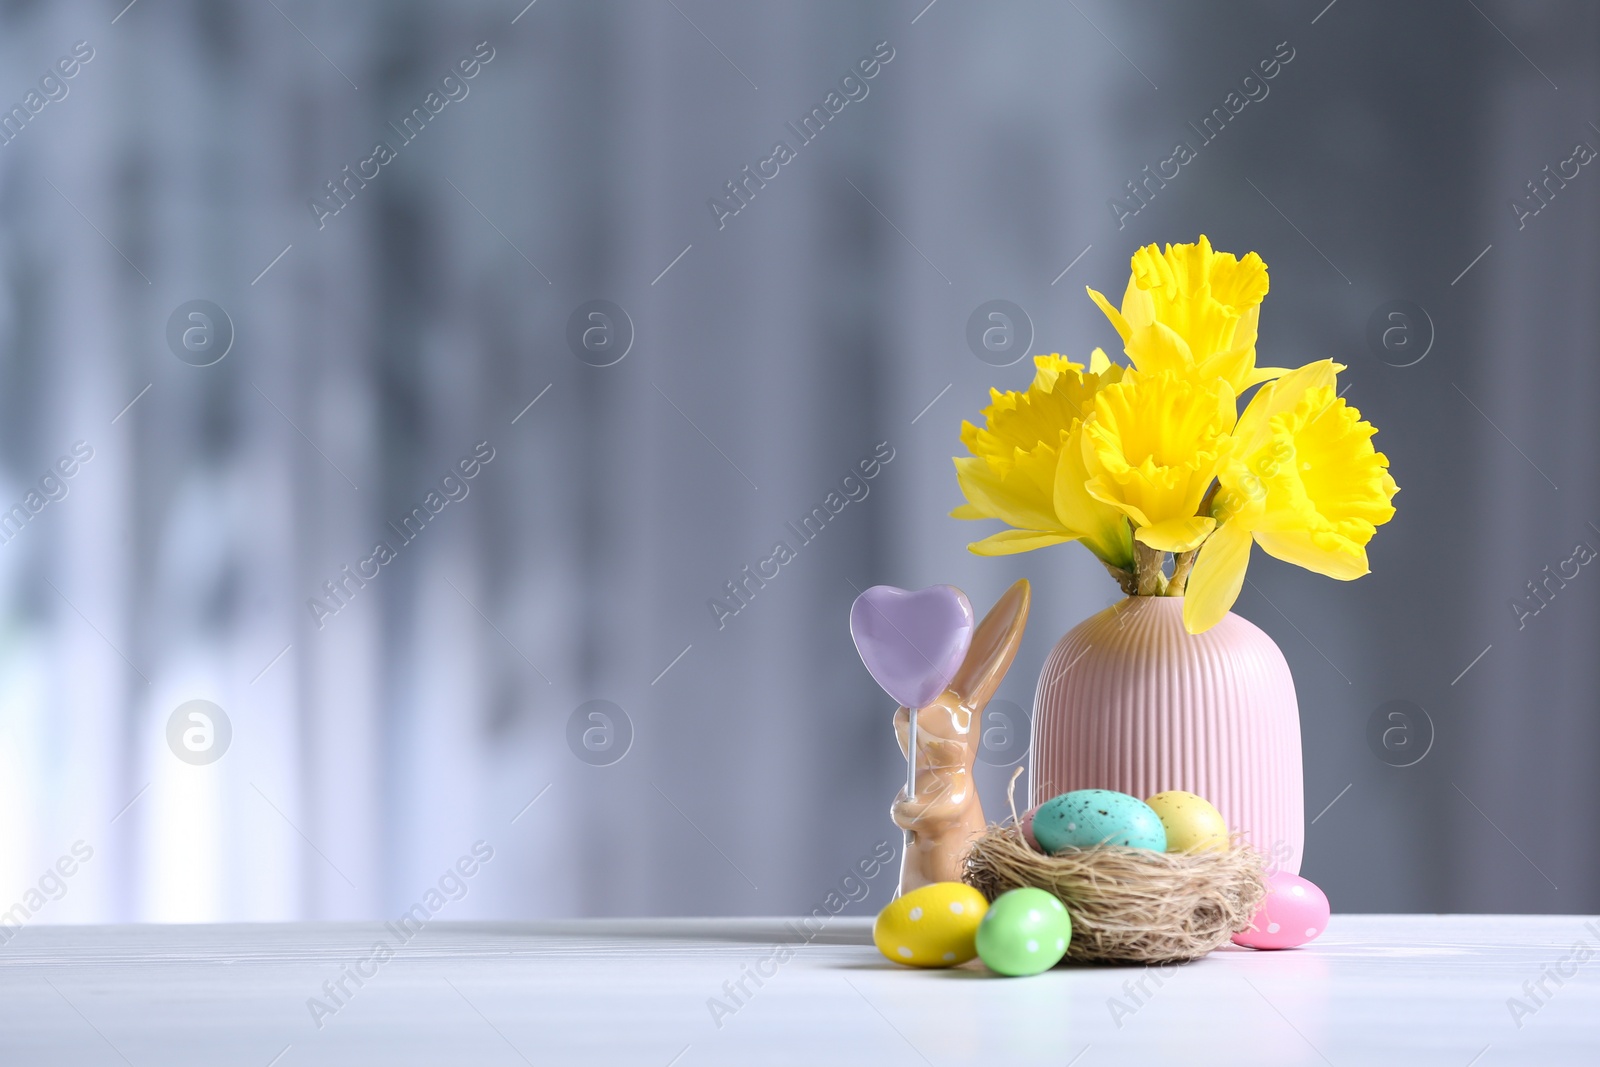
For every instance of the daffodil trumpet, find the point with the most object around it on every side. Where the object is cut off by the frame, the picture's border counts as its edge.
(1154, 462)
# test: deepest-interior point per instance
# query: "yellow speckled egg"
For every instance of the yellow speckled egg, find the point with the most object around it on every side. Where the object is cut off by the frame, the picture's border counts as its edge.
(1193, 825)
(934, 926)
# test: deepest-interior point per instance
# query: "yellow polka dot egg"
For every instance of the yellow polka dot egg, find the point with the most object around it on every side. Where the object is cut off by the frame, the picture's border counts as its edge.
(935, 926)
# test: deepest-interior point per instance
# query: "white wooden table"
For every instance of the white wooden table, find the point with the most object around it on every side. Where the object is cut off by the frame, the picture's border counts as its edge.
(1413, 990)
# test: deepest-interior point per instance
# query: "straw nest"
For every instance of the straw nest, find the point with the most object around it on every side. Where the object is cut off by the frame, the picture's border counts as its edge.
(1128, 905)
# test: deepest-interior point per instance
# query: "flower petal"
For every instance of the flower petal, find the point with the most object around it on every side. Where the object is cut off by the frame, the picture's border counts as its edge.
(1236, 366)
(1244, 331)
(1138, 307)
(1264, 374)
(1217, 577)
(1010, 542)
(1103, 527)
(1107, 492)
(1176, 535)
(1154, 443)
(1110, 312)
(1158, 347)
(1059, 394)
(1326, 553)
(1277, 397)
(1011, 496)
(1210, 298)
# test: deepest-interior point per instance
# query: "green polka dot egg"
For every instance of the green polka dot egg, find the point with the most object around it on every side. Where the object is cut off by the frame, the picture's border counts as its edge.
(935, 926)
(1025, 931)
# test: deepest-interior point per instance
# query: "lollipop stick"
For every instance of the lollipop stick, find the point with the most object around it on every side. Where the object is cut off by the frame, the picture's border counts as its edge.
(911, 768)
(911, 756)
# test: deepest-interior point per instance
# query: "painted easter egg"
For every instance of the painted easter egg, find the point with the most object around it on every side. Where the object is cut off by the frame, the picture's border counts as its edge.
(1025, 932)
(931, 927)
(1085, 818)
(1293, 913)
(1192, 824)
(1025, 821)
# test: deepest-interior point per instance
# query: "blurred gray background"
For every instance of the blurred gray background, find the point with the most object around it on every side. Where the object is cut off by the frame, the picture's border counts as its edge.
(446, 702)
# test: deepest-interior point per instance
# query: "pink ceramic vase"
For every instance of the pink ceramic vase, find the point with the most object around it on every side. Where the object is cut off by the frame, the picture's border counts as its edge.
(1129, 700)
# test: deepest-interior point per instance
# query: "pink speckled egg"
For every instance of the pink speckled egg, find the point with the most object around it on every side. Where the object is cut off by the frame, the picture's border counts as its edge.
(1293, 913)
(1026, 822)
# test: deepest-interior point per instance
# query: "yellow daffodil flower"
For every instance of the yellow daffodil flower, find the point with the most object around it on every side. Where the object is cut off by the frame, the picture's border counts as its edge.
(1304, 483)
(1026, 465)
(1156, 459)
(1151, 448)
(1193, 311)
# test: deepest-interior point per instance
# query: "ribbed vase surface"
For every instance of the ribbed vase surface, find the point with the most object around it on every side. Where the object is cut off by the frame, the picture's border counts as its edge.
(1129, 700)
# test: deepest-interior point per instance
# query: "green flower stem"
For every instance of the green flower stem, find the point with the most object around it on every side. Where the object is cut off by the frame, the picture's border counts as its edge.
(1182, 564)
(1147, 569)
(1124, 577)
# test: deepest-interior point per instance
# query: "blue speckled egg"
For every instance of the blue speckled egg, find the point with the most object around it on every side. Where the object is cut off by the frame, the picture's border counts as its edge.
(1085, 818)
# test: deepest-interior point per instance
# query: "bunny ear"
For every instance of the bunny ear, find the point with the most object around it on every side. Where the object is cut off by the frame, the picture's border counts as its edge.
(994, 645)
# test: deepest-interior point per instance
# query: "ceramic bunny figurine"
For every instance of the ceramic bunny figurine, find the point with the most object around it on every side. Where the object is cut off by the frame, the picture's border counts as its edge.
(944, 815)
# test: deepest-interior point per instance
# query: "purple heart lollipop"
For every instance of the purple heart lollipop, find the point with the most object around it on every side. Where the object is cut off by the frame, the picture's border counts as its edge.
(912, 642)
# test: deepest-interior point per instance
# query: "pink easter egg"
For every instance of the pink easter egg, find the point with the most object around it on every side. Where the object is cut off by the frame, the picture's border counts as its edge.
(1026, 822)
(1293, 913)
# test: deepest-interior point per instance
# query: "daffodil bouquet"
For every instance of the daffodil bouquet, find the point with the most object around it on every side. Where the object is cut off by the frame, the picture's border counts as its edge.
(1153, 462)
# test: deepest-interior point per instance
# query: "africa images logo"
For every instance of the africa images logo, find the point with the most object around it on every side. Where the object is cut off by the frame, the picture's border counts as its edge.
(453, 88)
(341, 590)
